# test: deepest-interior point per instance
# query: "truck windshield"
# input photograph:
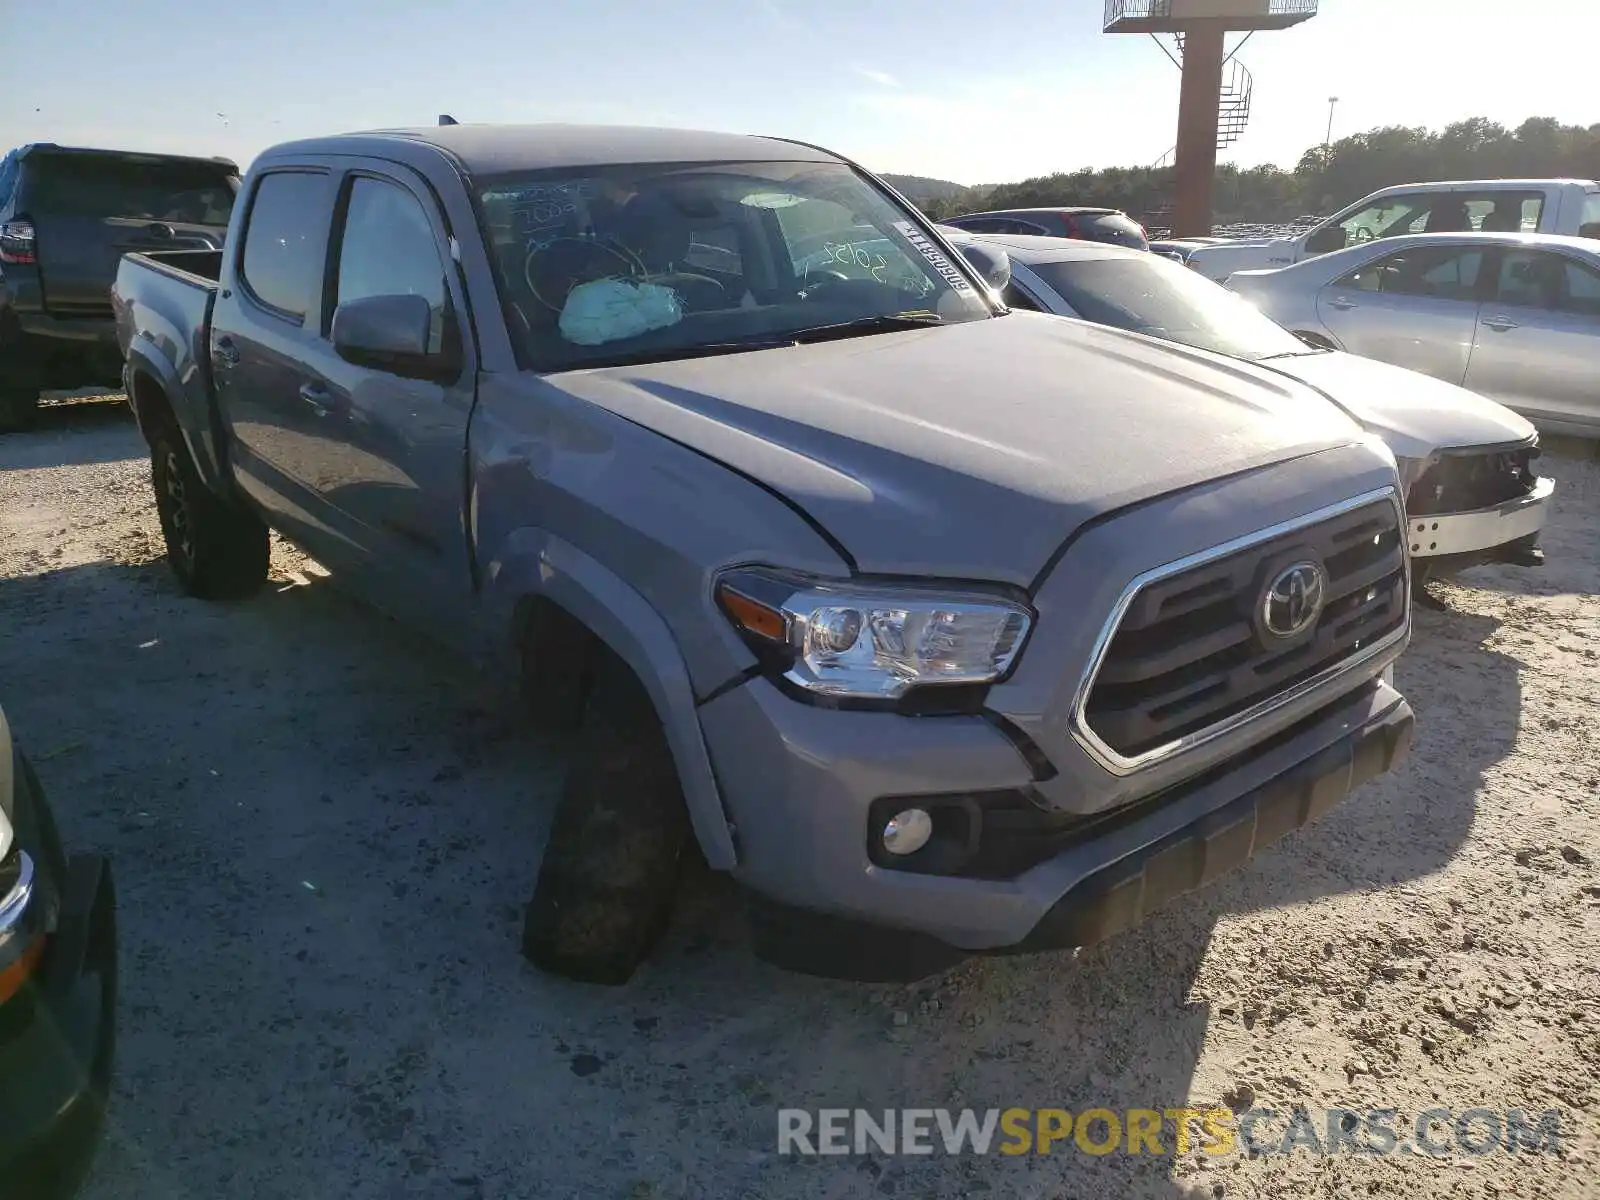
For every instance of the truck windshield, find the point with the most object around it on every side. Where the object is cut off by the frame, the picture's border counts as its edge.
(633, 262)
(1153, 295)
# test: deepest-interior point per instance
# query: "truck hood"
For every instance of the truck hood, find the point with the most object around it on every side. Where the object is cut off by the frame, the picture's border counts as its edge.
(972, 450)
(1415, 414)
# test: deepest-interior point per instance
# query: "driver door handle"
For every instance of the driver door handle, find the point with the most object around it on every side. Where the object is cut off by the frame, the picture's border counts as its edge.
(1500, 324)
(225, 352)
(1342, 304)
(316, 397)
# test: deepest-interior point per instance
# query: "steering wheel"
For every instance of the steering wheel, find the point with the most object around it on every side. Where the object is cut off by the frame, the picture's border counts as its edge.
(1363, 233)
(587, 260)
(821, 280)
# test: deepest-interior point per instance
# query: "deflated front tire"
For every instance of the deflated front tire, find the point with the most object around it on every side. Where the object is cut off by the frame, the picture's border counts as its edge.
(611, 866)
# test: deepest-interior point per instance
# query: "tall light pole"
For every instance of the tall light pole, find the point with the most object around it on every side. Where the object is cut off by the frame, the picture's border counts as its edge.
(1327, 142)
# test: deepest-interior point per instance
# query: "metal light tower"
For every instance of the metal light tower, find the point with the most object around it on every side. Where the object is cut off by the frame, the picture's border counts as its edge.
(1202, 25)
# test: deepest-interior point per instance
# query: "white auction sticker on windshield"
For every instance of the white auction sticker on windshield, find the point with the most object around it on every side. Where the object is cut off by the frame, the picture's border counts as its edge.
(936, 257)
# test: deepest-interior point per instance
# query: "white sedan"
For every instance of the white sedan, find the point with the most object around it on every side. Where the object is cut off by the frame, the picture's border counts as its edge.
(1515, 317)
(1466, 462)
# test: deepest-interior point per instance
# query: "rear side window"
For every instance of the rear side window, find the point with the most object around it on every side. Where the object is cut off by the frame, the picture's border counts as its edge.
(1589, 222)
(1116, 228)
(106, 187)
(289, 216)
(1535, 279)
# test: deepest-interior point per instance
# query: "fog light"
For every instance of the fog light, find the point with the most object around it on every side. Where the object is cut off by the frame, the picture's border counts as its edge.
(907, 832)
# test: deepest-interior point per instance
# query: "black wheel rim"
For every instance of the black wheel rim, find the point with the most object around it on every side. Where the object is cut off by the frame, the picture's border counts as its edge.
(180, 529)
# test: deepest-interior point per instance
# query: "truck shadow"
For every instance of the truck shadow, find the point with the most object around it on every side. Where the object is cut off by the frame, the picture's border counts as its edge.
(324, 834)
(74, 431)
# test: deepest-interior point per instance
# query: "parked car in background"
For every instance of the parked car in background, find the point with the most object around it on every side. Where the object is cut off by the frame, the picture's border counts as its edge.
(1512, 317)
(944, 629)
(1472, 494)
(1180, 248)
(66, 216)
(1560, 206)
(1087, 224)
(58, 990)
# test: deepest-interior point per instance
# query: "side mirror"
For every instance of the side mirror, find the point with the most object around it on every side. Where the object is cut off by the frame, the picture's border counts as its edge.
(1326, 240)
(388, 333)
(991, 262)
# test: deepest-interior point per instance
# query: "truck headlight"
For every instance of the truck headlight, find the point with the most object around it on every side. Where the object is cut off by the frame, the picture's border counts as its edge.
(1410, 470)
(873, 642)
(21, 942)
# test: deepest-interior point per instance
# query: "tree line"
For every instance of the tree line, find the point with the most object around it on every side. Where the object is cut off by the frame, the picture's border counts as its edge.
(1325, 179)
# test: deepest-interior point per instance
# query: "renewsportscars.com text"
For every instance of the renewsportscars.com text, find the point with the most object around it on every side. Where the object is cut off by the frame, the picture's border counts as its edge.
(1436, 1132)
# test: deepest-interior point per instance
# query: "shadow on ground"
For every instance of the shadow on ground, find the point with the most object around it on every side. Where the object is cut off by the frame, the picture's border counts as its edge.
(323, 836)
(74, 431)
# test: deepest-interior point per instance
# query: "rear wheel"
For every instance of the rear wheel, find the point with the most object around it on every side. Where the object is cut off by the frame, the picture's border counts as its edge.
(218, 550)
(610, 870)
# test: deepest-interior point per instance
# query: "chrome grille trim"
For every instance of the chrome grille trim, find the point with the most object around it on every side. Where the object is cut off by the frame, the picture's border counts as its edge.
(1385, 649)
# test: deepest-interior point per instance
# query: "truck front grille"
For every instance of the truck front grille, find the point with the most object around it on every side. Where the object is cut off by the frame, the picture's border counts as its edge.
(1193, 648)
(1467, 482)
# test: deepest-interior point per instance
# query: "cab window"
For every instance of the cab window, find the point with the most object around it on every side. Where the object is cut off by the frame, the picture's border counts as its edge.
(387, 248)
(1589, 220)
(283, 241)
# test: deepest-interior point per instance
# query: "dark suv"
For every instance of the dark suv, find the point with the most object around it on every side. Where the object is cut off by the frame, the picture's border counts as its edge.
(66, 216)
(1087, 224)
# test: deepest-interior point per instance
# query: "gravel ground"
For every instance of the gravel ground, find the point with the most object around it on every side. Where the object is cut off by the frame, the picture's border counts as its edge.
(323, 834)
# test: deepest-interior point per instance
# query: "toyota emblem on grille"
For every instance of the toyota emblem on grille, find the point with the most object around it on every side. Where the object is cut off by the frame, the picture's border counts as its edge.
(1293, 600)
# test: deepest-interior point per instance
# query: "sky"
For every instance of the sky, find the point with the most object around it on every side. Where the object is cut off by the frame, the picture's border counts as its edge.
(926, 87)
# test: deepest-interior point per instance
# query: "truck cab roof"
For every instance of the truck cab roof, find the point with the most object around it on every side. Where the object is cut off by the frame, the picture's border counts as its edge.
(1483, 185)
(496, 149)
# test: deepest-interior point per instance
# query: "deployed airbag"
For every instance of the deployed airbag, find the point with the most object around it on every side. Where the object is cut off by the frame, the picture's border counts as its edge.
(609, 310)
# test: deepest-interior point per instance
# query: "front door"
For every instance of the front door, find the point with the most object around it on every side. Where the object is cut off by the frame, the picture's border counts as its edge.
(395, 472)
(1415, 308)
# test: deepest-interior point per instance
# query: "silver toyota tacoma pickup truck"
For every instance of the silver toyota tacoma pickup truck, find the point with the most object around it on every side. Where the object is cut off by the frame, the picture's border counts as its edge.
(944, 629)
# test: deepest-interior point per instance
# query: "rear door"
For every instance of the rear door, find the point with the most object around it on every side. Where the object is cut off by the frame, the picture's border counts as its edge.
(1538, 340)
(89, 209)
(266, 354)
(1416, 307)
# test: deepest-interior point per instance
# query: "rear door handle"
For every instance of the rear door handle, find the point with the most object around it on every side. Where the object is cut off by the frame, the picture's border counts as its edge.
(225, 352)
(1500, 324)
(317, 398)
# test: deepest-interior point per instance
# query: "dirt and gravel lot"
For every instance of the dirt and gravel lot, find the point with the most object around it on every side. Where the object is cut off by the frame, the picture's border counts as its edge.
(323, 834)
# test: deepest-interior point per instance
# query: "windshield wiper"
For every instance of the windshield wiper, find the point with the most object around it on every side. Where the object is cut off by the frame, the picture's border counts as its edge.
(816, 333)
(670, 353)
(884, 323)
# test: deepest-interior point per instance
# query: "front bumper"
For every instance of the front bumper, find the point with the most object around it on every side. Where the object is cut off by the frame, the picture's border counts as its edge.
(1450, 535)
(807, 778)
(57, 1039)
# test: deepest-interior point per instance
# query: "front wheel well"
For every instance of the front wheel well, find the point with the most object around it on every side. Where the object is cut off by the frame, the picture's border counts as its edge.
(556, 658)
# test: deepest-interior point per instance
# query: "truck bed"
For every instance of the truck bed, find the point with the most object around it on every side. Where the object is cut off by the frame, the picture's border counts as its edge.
(193, 266)
(165, 297)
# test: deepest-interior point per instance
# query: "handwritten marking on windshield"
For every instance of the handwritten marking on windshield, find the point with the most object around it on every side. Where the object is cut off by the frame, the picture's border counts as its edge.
(852, 253)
